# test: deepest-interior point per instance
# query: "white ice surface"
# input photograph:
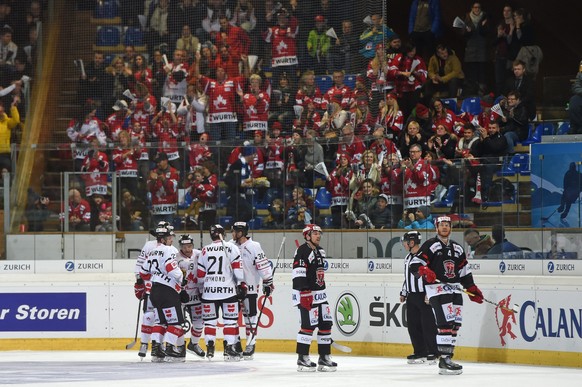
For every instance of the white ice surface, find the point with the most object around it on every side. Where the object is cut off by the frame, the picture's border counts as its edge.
(124, 368)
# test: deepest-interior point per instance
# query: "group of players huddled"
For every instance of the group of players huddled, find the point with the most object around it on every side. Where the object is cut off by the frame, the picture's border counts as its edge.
(221, 279)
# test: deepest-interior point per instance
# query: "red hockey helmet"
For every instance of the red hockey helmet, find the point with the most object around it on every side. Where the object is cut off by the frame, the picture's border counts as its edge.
(441, 219)
(309, 229)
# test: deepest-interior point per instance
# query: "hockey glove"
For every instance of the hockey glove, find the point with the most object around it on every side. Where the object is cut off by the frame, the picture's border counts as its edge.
(139, 288)
(268, 287)
(306, 301)
(241, 291)
(475, 294)
(184, 297)
(427, 273)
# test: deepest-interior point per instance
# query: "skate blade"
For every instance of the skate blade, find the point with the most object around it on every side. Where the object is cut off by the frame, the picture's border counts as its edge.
(200, 355)
(170, 359)
(158, 359)
(444, 371)
(248, 357)
(420, 360)
(231, 358)
(323, 368)
(301, 368)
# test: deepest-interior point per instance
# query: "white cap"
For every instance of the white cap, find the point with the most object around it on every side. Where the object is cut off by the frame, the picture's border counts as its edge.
(119, 105)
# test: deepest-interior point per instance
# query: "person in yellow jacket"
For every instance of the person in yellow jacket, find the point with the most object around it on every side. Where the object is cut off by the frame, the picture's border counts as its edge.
(7, 123)
(444, 72)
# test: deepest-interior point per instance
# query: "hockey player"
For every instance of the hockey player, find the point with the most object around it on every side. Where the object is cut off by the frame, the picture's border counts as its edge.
(190, 296)
(142, 291)
(221, 282)
(443, 264)
(162, 268)
(421, 325)
(310, 297)
(256, 267)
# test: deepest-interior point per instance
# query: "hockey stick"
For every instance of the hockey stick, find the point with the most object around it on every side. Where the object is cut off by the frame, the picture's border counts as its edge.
(130, 345)
(497, 304)
(254, 330)
(340, 347)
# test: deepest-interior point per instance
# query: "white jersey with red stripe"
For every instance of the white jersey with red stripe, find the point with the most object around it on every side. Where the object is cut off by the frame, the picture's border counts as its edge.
(219, 271)
(162, 267)
(255, 265)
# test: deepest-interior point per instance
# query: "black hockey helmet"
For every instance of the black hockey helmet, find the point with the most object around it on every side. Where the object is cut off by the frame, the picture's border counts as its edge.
(241, 226)
(412, 236)
(215, 231)
(186, 239)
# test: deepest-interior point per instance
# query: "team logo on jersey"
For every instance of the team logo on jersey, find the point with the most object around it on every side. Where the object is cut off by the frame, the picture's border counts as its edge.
(347, 313)
(320, 275)
(505, 319)
(449, 267)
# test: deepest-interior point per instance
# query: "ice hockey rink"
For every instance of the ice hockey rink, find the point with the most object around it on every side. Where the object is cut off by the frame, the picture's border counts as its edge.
(124, 368)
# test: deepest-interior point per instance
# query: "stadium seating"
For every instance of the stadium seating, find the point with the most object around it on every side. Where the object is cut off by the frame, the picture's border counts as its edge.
(451, 104)
(323, 198)
(256, 223)
(535, 135)
(105, 10)
(108, 37)
(471, 105)
(563, 128)
(226, 222)
(350, 81)
(324, 82)
(449, 198)
(518, 164)
(133, 36)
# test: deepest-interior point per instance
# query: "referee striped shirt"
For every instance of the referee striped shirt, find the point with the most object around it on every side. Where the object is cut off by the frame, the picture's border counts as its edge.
(411, 283)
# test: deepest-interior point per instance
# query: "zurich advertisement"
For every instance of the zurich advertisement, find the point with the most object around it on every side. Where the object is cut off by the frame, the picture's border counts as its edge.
(38, 312)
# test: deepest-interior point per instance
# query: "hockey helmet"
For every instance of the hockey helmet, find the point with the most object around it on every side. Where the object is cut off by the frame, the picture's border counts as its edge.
(186, 239)
(309, 229)
(241, 226)
(215, 231)
(412, 236)
(441, 219)
(168, 225)
(162, 232)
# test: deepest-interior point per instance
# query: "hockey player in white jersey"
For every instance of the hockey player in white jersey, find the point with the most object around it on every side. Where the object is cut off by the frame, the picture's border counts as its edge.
(221, 282)
(256, 268)
(190, 296)
(161, 267)
(142, 291)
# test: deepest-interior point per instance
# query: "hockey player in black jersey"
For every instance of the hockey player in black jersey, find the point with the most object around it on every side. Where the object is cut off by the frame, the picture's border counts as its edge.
(443, 264)
(310, 297)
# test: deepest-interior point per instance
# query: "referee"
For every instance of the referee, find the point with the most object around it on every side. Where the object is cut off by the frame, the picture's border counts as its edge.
(419, 316)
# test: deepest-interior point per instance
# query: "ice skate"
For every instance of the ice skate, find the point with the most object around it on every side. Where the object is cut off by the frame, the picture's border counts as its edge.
(249, 352)
(238, 348)
(431, 359)
(231, 354)
(324, 364)
(415, 359)
(304, 364)
(143, 349)
(158, 353)
(210, 350)
(448, 367)
(195, 349)
(175, 354)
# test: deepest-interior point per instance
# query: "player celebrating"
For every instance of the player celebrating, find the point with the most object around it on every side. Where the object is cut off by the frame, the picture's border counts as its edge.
(310, 297)
(142, 291)
(190, 296)
(221, 282)
(443, 264)
(162, 268)
(256, 266)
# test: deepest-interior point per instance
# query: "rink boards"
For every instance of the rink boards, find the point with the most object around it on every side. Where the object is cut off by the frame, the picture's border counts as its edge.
(98, 311)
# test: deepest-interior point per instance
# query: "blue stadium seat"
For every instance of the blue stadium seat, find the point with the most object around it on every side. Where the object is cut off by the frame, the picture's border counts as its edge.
(451, 104)
(542, 129)
(222, 198)
(105, 9)
(108, 36)
(563, 128)
(471, 105)
(323, 198)
(256, 223)
(350, 81)
(521, 164)
(133, 37)
(226, 222)
(187, 200)
(324, 82)
(328, 222)
(449, 198)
